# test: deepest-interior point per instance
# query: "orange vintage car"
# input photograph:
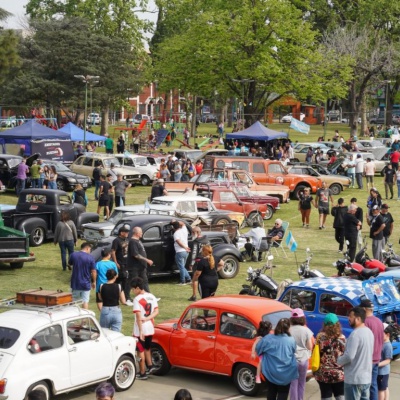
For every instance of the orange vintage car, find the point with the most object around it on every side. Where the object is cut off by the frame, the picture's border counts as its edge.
(215, 335)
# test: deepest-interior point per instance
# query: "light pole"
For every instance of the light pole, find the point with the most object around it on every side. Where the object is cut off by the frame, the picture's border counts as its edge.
(386, 101)
(92, 83)
(242, 82)
(86, 79)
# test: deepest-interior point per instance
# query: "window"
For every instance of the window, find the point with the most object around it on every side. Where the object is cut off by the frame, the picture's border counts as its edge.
(65, 199)
(8, 337)
(81, 330)
(241, 165)
(127, 161)
(186, 207)
(300, 298)
(258, 168)
(34, 198)
(276, 169)
(228, 197)
(199, 319)
(47, 339)
(332, 303)
(242, 177)
(274, 318)
(152, 233)
(237, 326)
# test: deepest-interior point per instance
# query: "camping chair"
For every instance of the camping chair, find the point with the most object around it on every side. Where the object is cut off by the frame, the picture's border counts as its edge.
(279, 244)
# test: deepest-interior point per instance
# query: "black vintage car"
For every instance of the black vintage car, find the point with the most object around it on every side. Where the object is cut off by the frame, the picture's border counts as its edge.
(159, 244)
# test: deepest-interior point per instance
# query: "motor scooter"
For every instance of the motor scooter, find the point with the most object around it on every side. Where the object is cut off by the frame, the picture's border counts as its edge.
(390, 258)
(304, 270)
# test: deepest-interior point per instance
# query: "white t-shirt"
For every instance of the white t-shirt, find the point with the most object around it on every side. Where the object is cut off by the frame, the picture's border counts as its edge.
(143, 305)
(182, 235)
(369, 168)
(359, 165)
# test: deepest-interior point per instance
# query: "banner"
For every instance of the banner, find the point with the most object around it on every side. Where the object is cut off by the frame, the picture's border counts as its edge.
(160, 137)
(290, 242)
(299, 126)
(57, 150)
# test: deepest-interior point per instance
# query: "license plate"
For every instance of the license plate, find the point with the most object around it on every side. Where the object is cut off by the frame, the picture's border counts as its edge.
(84, 184)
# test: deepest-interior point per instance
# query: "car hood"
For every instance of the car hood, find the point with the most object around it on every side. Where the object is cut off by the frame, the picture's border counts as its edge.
(383, 293)
(127, 171)
(112, 335)
(6, 207)
(71, 174)
(98, 225)
(167, 325)
(5, 360)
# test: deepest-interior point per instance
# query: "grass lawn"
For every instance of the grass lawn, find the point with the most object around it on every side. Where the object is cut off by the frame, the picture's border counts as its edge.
(46, 271)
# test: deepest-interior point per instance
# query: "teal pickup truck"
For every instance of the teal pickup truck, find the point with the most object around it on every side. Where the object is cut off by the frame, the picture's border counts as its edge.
(14, 246)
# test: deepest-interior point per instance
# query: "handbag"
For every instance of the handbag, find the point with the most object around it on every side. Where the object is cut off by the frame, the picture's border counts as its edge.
(315, 358)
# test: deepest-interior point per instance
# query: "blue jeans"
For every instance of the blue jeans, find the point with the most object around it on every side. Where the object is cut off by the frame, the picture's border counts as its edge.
(35, 183)
(352, 176)
(356, 392)
(398, 189)
(373, 390)
(66, 245)
(111, 318)
(96, 190)
(20, 186)
(41, 180)
(177, 177)
(52, 185)
(180, 259)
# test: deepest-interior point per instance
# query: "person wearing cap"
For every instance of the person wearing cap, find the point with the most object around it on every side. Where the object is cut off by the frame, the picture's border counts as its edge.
(359, 163)
(376, 232)
(351, 228)
(256, 233)
(120, 188)
(388, 221)
(384, 364)
(389, 179)
(119, 254)
(34, 170)
(357, 357)
(369, 171)
(330, 375)
(304, 343)
(158, 189)
(376, 327)
(322, 198)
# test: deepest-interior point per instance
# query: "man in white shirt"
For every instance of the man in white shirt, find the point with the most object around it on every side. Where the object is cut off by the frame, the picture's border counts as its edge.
(256, 234)
(359, 170)
(182, 251)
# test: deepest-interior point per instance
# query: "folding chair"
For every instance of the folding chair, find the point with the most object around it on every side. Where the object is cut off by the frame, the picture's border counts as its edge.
(279, 244)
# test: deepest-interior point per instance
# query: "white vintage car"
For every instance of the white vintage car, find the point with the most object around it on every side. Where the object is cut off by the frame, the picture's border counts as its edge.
(60, 349)
(148, 172)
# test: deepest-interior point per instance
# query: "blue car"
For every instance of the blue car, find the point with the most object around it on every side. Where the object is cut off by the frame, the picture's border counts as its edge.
(320, 296)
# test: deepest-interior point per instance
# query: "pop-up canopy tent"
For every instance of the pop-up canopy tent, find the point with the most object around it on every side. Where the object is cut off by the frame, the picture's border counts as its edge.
(28, 132)
(77, 134)
(257, 131)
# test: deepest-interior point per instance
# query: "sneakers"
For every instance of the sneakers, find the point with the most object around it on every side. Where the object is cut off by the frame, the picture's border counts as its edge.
(340, 251)
(129, 303)
(192, 298)
(258, 379)
(181, 283)
(150, 369)
(188, 282)
(142, 377)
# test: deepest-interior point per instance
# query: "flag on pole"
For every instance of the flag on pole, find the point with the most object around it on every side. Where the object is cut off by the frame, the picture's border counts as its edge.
(299, 126)
(291, 242)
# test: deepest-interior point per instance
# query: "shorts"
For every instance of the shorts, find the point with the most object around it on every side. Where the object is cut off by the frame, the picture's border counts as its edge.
(369, 178)
(143, 345)
(323, 210)
(383, 382)
(103, 201)
(83, 295)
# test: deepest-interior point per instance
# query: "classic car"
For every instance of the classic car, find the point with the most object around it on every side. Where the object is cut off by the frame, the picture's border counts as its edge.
(148, 172)
(59, 349)
(319, 296)
(215, 335)
(158, 241)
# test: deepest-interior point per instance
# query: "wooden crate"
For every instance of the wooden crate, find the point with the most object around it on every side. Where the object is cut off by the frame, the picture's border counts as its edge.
(40, 297)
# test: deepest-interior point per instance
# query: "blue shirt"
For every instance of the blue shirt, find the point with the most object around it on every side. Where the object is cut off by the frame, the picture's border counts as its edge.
(387, 353)
(82, 266)
(102, 267)
(279, 363)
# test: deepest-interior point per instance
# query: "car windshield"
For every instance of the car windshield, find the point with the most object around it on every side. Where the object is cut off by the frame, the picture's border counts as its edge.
(274, 318)
(60, 167)
(165, 202)
(116, 216)
(8, 337)
(108, 161)
(13, 162)
(142, 161)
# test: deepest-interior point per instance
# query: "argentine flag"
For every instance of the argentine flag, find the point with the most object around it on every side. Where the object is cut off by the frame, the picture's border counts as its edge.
(299, 126)
(290, 242)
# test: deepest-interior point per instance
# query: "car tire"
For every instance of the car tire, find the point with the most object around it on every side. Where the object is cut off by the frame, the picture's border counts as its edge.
(230, 268)
(41, 386)
(254, 217)
(335, 188)
(61, 185)
(296, 192)
(16, 265)
(221, 220)
(244, 378)
(37, 236)
(160, 360)
(270, 212)
(124, 374)
(145, 180)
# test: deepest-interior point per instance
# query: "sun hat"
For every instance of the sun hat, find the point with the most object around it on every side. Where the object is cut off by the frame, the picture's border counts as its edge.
(297, 313)
(331, 319)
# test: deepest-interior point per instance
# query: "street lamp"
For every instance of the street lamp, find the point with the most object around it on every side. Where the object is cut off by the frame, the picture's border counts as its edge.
(91, 79)
(242, 82)
(386, 101)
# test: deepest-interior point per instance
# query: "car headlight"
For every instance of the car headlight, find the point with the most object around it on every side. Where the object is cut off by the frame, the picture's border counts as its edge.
(124, 177)
(72, 180)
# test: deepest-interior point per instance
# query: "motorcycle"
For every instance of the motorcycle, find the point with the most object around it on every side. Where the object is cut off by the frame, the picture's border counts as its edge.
(367, 262)
(354, 270)
(390, 258)
(304, 270)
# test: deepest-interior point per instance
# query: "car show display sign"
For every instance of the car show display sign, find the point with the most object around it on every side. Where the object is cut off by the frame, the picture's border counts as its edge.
(58, 150)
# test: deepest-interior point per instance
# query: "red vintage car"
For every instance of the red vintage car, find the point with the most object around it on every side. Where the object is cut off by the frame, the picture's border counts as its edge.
(215, 335)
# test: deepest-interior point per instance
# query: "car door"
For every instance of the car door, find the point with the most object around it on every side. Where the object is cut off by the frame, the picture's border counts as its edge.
(192, 344)
(90, 353)
(258, 171)
(153, 243)
(228, 201)
(276, 174)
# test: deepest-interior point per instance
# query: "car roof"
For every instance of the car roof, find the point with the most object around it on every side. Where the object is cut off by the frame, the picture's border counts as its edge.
(10, 156)
(150, 218)
(44, 191)
(179, 198)
(140, 207)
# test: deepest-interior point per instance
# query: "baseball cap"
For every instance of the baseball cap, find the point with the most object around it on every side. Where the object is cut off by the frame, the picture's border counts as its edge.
(123, 229)
(375, 207)
(366, 303)
(385, 206)
(297, 313)
(331, 319)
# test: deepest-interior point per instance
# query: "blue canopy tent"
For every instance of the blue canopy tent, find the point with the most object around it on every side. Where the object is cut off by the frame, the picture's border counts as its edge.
(77, 134)
(28, 132)
(257, 131)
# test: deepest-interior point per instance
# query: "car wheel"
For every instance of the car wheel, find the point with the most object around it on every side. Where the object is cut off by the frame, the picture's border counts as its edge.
(124, 374)
(145, 180)
(221, 220)
(244, 378)
(335, 188)
(269, 213)
(160, 360)
(230, 268)
(296, 192)
(254, 217)
(61, 185)
(37, 237)
(41, 387)
(16, 265)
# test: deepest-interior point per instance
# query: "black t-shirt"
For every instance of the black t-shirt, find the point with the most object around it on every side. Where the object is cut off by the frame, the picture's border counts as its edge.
(120, 246)
(389, 175)
(350, 223)
(198, 243)
(96, 174)
(387, 220)
(376, 222)
(136, 247)
(157, 191)
(208, 276)
(305, 202)
(106, 187)
(110, 294)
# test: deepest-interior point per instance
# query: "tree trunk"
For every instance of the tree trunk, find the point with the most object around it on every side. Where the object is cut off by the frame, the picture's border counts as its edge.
(193, 122)
(364, 124)
(104, 120)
